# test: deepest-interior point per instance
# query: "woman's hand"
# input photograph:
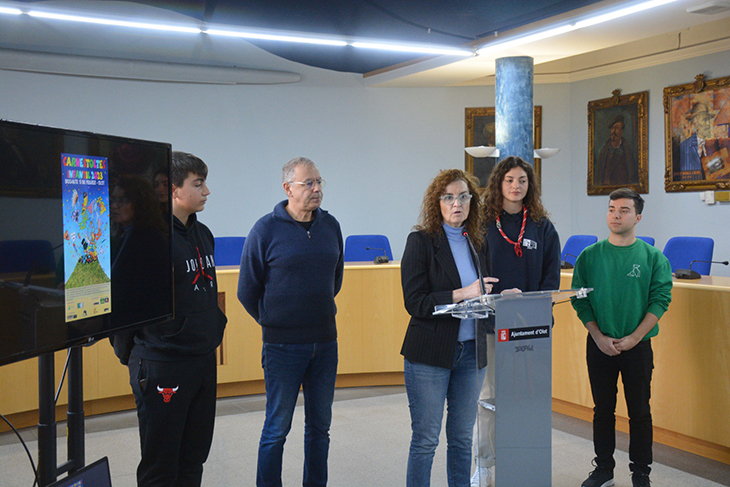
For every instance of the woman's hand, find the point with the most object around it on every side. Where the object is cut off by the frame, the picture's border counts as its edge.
(473, 290)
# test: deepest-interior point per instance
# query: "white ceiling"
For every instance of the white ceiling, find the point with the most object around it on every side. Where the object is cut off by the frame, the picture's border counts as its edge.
(655, 36)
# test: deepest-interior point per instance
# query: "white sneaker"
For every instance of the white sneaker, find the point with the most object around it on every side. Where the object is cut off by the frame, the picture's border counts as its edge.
(482, 477)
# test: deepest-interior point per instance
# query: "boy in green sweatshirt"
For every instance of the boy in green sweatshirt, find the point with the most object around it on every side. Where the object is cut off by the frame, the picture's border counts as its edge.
(632, 284)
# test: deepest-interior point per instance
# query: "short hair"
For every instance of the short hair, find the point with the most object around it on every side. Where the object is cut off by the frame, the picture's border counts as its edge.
(630, 194)
(183, 164)
(431, 220)
(287, 172)
(493, 199)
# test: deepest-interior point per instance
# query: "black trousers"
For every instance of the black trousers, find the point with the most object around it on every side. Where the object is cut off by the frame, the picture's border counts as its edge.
(635, 366)
(176, 412)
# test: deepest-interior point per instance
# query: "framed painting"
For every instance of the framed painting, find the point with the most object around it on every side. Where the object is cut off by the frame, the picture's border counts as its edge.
(480, 131)
(617, 143)
(697, 135)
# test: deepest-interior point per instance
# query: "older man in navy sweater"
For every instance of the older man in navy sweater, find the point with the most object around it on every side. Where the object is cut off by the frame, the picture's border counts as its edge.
(291, 270)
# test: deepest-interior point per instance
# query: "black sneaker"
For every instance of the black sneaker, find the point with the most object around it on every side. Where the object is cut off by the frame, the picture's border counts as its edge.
(600, 477)
(640, 480)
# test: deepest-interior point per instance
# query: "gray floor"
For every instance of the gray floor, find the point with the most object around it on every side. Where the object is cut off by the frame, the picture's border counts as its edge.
(370, 435)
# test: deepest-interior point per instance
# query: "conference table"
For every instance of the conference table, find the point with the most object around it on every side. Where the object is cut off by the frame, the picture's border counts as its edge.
(690, 387)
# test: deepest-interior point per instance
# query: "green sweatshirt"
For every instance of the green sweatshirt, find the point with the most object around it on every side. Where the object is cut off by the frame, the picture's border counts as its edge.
(627, 283)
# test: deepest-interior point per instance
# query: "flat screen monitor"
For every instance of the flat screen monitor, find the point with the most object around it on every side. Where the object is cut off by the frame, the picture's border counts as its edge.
(85, 242)
(94, 475)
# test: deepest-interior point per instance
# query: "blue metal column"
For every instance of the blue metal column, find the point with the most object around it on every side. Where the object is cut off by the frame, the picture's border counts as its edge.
(514, 110)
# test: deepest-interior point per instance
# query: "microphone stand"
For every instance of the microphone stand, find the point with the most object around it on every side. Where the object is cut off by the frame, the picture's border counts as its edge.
(482, 287)
(690, 274)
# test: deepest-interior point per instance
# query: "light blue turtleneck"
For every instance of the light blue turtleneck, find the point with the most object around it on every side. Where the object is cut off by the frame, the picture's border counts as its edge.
(467, 271)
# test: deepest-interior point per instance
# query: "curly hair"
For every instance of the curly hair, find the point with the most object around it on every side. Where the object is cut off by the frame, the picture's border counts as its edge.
(431, 220)
(493, 198)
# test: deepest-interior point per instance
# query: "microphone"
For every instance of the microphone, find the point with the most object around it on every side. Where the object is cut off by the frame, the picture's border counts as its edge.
(690, 274)
(482, 287)
(380, 259)
(567, 265)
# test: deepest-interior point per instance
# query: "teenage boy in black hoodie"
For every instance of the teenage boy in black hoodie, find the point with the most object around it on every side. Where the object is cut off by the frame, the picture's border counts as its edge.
(172, 367)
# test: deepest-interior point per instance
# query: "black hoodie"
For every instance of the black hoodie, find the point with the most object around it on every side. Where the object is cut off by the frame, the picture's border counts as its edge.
(199, 323)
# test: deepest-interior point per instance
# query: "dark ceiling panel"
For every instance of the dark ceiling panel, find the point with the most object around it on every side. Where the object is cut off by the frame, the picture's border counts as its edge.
(439, 22)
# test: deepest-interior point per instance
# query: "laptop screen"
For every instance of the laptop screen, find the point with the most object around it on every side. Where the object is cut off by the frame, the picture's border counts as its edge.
(93, 475)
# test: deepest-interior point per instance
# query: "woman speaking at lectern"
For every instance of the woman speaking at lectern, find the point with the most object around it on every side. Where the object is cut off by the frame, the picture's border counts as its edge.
(439, 267)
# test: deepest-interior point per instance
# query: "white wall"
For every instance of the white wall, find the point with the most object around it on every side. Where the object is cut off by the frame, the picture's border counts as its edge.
(377, 147)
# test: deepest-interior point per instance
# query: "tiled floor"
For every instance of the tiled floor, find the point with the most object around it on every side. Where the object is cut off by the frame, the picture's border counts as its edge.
(369, 447)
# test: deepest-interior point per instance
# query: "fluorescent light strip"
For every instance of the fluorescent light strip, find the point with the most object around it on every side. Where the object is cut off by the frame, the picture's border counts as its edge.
(413, 49)
(598, 19)
(275, 37)
(120, 23)
(621, 13)
(526, 40)
(11, 11)
(242, 34)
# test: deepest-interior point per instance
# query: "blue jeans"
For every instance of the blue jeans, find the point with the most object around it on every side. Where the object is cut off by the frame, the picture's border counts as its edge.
(313, 366)
(428, 387)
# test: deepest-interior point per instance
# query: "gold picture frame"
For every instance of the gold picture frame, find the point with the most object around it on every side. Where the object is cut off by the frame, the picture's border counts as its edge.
(618, 143)
(697, 135)
(479, 124)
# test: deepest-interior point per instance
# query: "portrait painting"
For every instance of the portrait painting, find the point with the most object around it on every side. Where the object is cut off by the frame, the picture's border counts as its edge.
(617, 143)
(697, 135)
(480, 130)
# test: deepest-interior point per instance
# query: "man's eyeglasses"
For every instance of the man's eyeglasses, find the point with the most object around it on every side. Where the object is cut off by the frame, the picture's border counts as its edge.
(462, 198)
(309, 183)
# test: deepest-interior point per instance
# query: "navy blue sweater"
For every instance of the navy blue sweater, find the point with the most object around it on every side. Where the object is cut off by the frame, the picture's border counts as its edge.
(539, 267)
(290, 276)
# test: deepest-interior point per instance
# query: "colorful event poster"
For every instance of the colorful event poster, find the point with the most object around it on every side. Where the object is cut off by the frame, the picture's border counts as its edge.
(86, 249)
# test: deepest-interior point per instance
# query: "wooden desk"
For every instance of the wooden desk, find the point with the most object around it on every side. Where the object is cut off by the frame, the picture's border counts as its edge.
(691, 380)
(371, 323)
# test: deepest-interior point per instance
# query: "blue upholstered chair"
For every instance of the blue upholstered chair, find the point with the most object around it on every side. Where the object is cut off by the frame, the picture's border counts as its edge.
(681, 251)
(649, 240)
(356, 248)
(228, 250)
(574, 246)
(25, 255)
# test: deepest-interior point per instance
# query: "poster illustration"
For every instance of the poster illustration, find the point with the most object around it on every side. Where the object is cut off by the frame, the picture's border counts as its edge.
(86, 246)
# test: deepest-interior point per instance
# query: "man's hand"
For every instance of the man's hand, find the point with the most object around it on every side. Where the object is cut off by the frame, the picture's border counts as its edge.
(626, 343)
(606, 344)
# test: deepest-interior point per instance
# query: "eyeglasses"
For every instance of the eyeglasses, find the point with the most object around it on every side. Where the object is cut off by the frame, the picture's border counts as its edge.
(309, 183)
(462, 198)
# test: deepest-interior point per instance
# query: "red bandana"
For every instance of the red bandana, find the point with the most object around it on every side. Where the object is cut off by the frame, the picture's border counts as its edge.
(518, 243)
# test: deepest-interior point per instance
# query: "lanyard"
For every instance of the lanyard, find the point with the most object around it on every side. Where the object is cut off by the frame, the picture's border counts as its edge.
(518, 243)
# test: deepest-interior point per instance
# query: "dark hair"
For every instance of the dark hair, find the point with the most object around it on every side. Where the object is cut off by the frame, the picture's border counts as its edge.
(630, 194)
(493, 198)
(431, 219)
(145, 207)
(184, 164)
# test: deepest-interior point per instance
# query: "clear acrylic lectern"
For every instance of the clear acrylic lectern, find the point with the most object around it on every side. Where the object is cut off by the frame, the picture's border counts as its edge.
(523, 380)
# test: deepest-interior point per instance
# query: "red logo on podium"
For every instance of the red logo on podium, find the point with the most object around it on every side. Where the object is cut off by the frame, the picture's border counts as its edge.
(503, 335)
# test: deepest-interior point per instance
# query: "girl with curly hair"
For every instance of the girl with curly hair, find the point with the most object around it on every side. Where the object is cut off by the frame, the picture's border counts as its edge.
(525, 256)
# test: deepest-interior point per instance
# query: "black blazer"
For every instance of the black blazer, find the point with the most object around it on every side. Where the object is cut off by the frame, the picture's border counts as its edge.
(428, 276)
